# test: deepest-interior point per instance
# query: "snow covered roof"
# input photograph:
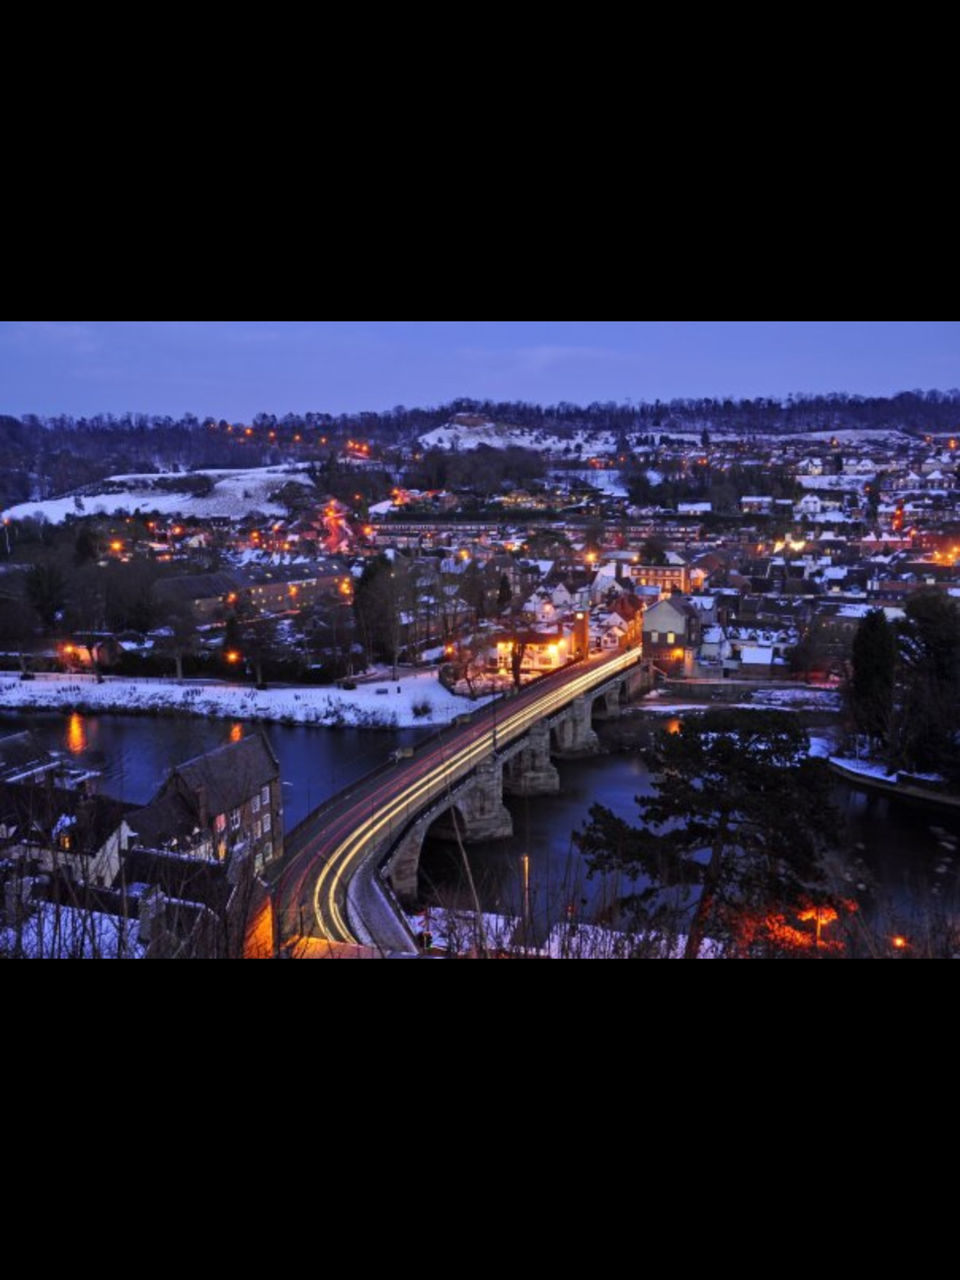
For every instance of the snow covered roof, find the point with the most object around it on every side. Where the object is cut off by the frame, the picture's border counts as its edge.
(756, 657)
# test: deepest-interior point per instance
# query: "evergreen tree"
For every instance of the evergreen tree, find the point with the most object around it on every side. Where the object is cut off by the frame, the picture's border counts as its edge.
(733, 834)
(872, 685)
(929, 706)
(46, 589)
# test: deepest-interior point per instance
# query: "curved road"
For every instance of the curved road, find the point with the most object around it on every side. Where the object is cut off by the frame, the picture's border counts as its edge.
(331, 884)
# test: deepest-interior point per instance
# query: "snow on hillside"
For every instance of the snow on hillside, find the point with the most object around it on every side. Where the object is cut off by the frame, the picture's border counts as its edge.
(235, 493)
(838, 483)
(608, 482)
(466, 439)
(867, 436)
(369, 706)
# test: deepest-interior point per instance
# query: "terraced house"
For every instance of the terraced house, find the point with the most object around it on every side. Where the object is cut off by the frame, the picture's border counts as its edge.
(218, 806)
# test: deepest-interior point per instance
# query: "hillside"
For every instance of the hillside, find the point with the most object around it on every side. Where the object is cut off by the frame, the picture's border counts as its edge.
(233, 495)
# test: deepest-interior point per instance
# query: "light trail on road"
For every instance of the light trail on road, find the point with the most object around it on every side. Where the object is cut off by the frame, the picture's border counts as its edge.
(385, 808)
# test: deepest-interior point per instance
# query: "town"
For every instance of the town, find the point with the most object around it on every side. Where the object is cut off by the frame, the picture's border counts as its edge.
(396, 579)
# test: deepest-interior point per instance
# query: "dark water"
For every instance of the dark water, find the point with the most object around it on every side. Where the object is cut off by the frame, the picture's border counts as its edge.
(905, 855)
(898, 860)
(134, 753)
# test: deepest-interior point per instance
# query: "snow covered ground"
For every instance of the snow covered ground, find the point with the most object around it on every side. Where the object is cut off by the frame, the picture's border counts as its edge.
(865, 768)
(421, 702)
(466, 439)
(801, 698)
(879, 435)
(458, 934)
(234, 495)
(608, 482)
(840, 484)
(64, 933)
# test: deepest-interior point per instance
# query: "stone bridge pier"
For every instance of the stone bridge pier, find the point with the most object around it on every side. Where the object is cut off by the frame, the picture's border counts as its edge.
(531, 772)
(573, 731)
(475, 812)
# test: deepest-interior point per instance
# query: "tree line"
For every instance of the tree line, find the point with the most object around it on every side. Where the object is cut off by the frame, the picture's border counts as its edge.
(41, 457)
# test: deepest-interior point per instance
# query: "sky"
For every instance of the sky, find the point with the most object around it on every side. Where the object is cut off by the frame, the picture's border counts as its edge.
(237, 368)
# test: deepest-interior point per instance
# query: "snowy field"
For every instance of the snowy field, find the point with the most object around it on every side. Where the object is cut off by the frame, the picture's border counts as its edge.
(838, 484)
(466, 439)
(234, 495)
(422, 701)
(880, 435)
(608, 482)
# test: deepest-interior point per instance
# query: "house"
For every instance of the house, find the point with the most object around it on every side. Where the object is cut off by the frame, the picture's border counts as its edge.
(694, 508)
(672, 633)
(668, 577)
(208, 596)
(48, 830)
(543, 652)
(756, 662)
(217, 805)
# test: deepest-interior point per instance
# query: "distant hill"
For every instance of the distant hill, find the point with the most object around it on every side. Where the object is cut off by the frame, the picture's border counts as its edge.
(42, 458)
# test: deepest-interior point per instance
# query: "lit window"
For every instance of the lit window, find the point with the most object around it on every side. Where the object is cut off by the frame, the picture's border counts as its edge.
(265, 796)
(267, 824)
(671, 637)
(221, 823)
(257, 830)
(256, 804)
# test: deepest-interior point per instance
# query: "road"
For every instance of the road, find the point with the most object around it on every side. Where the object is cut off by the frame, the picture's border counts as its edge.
(330, 887)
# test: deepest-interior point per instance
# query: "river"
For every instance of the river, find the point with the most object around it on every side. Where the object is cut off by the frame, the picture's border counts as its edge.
(133, 754)
(907, 853)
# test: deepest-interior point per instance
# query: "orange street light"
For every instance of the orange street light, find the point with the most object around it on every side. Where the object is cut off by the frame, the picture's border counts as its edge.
(233, 658)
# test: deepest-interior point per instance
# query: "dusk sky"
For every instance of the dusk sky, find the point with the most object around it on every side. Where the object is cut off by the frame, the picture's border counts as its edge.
(238, 368)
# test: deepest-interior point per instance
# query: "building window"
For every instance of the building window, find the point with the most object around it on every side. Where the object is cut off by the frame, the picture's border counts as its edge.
(256, 804)
(671, 637)
(221, 823)
(267, 824)
(265, 796)
(655, 637)
(257, 830)
(235, 820)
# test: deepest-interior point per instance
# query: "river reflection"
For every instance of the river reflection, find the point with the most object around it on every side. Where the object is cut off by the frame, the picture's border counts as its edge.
(134, 754)
(76, 735)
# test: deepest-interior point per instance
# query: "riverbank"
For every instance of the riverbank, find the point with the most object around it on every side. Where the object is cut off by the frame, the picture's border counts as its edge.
(875, 778)
(636, 727)
(415, 701)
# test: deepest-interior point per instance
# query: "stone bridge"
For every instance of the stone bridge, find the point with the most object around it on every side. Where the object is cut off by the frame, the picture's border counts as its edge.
(472, 810)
